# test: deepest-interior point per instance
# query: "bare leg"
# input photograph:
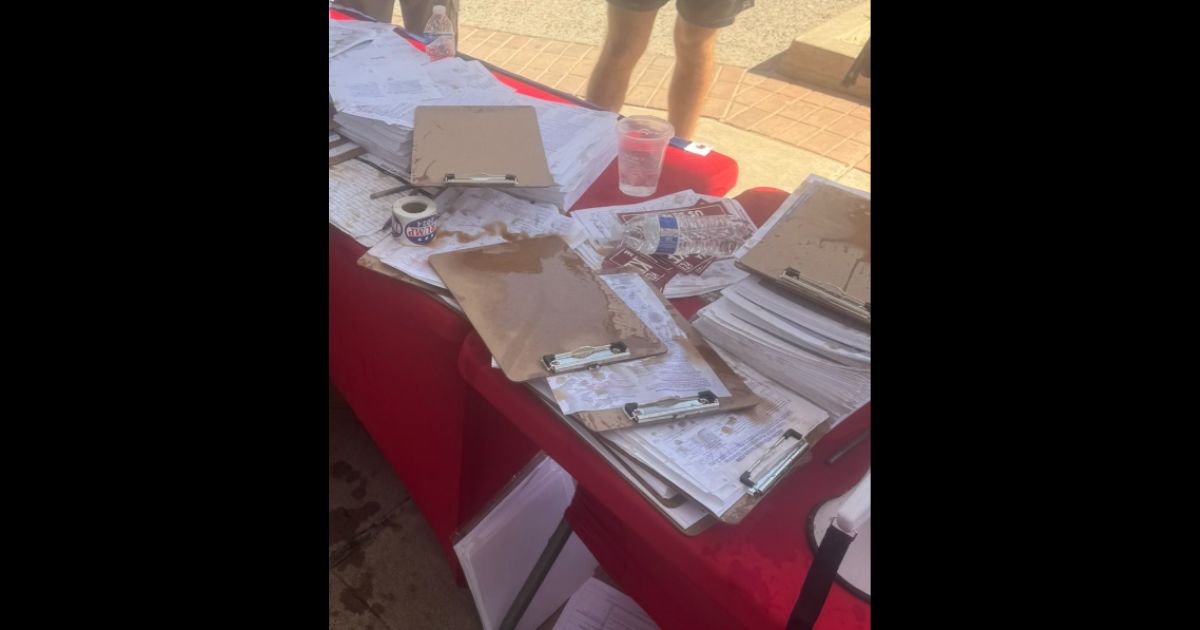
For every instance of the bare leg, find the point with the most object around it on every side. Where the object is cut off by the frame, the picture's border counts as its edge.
(626, 40)
(694, 53)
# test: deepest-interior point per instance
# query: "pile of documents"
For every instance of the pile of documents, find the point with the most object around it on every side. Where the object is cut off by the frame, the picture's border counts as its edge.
(498, 552)
(377, 79)
(788, 320)
(351, 208)
(822, 358)
(705, 456)
(598, 606)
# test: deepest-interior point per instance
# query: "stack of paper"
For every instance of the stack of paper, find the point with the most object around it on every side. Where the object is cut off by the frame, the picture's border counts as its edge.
(705, 456)
(580, 144)
(602, 227)
(598, 606)
(499, 552)
(818, 355)
(377, 79)
(475, 217)
(346, 34)
(684, 515)
(351, 208)
(388, 146)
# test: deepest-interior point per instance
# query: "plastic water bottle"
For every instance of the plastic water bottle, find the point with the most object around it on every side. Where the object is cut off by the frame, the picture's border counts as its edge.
(684, 235)
(439, 32)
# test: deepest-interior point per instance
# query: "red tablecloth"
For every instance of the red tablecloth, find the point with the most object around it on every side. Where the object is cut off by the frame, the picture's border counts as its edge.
(393, 352)
(743, 576)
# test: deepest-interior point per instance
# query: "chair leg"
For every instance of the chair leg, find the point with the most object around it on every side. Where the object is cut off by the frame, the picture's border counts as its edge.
(538, 575)
(819, 579)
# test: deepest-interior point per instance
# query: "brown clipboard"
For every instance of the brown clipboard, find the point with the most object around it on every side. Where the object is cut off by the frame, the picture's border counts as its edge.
(821, 249)
(740, 396)
(478, 146)
(541, 310)
(785, 455)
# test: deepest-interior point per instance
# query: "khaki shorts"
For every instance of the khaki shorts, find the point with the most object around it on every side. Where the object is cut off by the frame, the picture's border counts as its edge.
(703, 13)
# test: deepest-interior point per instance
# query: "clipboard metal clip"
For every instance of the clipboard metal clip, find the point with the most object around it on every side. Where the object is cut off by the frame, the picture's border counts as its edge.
(792, 276)
(837, 296)
(674, 407)
(772, 473)
(585, 357)
(481, 179)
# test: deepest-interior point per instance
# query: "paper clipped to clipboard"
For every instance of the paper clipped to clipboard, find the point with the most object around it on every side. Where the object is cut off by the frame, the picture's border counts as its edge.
(478, 146)
(727, 462)
(688, 380)
(541, 310)
(819, 247)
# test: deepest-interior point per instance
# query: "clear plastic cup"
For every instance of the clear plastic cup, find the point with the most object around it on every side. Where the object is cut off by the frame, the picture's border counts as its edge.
(641, 142)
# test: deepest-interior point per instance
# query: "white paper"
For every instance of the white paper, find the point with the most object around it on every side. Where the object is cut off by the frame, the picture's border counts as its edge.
(475, 218)
(720, 274)
(838, 389)
(598, 606)
(351, 208)
(705, 456)
(453, 74)
(346, 34)
(499, 552)
(681, 371)
(683, 515)
(386, 72)
(795, 310)
(754, 314)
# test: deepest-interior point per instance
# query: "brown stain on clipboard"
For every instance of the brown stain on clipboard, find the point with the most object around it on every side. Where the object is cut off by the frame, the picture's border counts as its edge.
(495, 228)
(828, 238)
(539, 292)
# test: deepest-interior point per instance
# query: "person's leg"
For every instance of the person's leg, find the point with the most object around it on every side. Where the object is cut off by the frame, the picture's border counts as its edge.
(416, 13)
(694, 51)
(624, 42)
(695, 44)
(379, 9)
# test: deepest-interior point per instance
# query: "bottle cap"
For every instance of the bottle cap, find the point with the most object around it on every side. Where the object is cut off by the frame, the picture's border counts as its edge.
(439, 9)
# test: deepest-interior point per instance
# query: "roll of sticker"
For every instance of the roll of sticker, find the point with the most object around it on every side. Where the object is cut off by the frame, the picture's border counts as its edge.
(415, 219)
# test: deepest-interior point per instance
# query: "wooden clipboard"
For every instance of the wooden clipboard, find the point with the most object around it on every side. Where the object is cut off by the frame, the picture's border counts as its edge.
(541, 310)
(786, 455)
(821, 249)
(478, 146)
(740, 396)
(739, 510)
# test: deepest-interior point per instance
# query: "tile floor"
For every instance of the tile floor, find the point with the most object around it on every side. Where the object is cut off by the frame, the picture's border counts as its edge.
(386, 570)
